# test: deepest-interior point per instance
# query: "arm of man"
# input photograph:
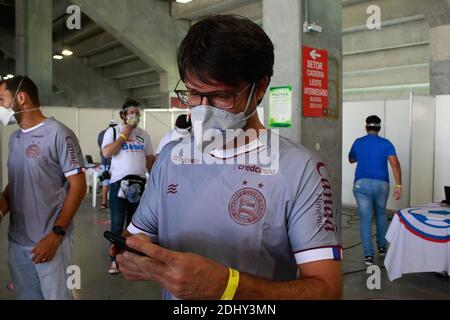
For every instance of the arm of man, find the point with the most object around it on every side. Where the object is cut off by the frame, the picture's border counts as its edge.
(397, 171)
(70, 159)
(352, 155)
(184, 274)
(150, 160)
(4, 205)
(149, 155)
(46, 249)
(111, 148)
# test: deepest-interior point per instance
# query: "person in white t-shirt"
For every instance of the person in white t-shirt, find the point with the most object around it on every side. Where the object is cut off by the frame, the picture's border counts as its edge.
(131, 153)
(182, 130)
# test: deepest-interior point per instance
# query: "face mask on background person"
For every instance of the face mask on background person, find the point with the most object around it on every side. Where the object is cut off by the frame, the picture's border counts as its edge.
(7, 116)
(206, 118)
(133, 120)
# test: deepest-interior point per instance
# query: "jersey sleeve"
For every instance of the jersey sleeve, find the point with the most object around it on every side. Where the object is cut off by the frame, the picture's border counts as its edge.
(68, 152)
(312, 229)
(391, 149)
(145, 219)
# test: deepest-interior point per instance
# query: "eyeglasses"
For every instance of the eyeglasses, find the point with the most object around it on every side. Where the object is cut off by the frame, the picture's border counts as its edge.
(221, 100)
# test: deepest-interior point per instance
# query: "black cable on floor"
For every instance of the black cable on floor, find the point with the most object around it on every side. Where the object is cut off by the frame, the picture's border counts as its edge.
(361, 270)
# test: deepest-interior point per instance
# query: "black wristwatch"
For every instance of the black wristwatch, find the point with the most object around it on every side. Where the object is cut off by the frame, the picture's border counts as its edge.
(59, 231)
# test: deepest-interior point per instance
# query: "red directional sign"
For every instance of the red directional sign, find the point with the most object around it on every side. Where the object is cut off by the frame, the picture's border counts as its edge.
(315, 82)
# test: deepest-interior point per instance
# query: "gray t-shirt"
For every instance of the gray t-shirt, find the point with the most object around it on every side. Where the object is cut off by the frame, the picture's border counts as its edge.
(40, 160)
(254, 218)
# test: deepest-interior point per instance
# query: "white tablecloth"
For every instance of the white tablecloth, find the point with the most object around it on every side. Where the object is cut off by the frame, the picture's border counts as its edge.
(419, 241)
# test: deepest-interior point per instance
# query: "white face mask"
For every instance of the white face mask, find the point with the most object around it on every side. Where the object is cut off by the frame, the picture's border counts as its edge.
(206, 118)
(7, 116)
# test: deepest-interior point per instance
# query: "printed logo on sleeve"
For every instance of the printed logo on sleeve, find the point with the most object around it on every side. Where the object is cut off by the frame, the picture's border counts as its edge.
(71, 149)
(324, 202)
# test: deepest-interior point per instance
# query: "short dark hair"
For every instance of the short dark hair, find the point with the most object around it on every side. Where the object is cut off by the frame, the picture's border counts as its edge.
(183, 122)
(228, 49)
(27, 86)
(373, 123)
(130, 102)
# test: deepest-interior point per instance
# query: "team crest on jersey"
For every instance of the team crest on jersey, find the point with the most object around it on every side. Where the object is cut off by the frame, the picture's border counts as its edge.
(33, 151)
(247, 206)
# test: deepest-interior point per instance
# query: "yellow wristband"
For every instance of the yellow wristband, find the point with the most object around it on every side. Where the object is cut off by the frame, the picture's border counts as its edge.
(124, 137)
(398, 186)
(233, 282)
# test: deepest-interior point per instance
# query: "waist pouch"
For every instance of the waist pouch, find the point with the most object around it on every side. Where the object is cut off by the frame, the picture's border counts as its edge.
(132, 188)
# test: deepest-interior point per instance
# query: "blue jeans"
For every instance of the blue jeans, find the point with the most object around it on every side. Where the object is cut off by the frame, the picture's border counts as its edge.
(371, 196)
(121, 210)
(44, 281)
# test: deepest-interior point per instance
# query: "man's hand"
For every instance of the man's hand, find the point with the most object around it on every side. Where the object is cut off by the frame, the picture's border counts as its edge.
(397, 193)
(46, 249)
(185, 275)
(127, 130)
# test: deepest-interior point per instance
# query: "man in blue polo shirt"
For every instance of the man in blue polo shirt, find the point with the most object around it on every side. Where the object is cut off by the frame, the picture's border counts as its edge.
(371, 187)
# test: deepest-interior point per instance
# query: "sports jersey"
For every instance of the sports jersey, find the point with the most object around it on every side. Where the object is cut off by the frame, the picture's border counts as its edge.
(261, 217)
(40, 160)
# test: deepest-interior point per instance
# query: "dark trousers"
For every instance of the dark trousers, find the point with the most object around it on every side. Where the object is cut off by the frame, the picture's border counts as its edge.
(121, 210)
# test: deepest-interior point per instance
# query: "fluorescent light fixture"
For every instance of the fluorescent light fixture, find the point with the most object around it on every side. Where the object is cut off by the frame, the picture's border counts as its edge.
(67, 52)
(57, 56)
(8, 76)
(184, 1)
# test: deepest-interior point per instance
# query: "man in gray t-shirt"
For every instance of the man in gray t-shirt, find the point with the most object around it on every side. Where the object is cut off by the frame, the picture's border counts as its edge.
(46, 185)
(226, 221)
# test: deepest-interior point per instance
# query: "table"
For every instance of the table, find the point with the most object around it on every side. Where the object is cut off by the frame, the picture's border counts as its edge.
(419, 241)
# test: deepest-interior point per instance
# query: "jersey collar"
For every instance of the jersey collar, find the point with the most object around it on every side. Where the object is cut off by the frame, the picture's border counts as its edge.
(33, 128)
(230, 153)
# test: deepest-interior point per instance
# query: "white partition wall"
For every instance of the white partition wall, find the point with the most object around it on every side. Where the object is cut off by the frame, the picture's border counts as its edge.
(395, 118)
(353, 127)
(442, 147)
(90, 123)
(422, 150)
(398, 130)
(160, 122)
(66, 115)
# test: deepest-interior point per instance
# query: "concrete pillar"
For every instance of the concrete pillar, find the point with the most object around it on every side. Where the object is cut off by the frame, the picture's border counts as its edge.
(34, 44)
(437, 14)
(283, 22)
(440, 60)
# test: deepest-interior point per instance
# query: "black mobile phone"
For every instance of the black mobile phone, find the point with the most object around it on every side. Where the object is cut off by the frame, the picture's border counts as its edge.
(120, 242)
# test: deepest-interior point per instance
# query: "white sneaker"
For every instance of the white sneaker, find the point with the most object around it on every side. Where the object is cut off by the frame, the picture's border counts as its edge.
(113, 269)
